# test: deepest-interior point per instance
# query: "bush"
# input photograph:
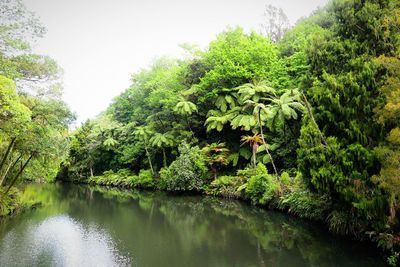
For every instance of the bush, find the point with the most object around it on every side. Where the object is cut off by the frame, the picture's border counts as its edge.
(144, 180)
(120, 178)
(285, 179)
(10, 202)
(305, 204)
(260, 188)
(129, 181)
(226, 186)
(187, 172)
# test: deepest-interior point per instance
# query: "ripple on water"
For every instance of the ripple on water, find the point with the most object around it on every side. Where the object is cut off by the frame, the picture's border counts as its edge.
(61, 241)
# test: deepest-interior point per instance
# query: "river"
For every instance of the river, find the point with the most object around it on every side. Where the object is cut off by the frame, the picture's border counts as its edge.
(79, 225)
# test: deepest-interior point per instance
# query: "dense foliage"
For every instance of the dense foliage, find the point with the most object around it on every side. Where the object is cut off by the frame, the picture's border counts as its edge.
(33, 118)
(319, 107)
(304, 120)
(187, 172)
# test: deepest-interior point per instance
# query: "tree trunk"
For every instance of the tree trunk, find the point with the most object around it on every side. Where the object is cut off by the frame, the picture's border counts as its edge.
(254, 160)
(188, 123)
(214, 169)
(18, 174)
(312, 118)
(284, 132)
(266, 147)
(10, 166)
(165, 158)
(7, 152)
(91, 170)
(149, 158)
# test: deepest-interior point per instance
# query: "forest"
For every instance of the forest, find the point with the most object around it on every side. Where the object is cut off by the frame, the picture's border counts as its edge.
(34, 119)
(302, 119)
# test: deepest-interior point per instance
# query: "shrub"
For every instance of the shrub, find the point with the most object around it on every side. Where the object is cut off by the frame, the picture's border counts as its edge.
(249, 172)
(120, 178)
(187, 172)
(305, 204)
(129, 181)
(260, 188)
(123, 173)
(393, 259)
(226, 186)
(9, 202)
(285, 179)
(144, 180)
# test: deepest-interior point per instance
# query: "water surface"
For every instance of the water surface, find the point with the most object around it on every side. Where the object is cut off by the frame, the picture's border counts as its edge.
(96, 226)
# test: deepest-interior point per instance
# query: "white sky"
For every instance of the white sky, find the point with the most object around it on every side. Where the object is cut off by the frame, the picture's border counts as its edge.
(100, 43)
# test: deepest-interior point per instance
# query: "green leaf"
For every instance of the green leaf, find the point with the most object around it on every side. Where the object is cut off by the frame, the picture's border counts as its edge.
(245, 152)
(266, 159)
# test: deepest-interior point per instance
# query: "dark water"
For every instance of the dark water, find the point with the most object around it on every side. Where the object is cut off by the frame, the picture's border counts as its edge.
(95, 226)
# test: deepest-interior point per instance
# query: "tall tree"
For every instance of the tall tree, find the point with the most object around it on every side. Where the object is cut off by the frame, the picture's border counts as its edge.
(144, 133)
(276, 23)
(343, 88)
(253, 95)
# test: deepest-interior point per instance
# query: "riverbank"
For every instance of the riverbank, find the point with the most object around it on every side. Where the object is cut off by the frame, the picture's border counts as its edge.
(11, 202)
(85, 225)
(14, 203)
(262, 189)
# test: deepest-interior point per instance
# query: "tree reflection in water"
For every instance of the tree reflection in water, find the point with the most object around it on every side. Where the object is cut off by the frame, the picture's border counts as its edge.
(156, 229)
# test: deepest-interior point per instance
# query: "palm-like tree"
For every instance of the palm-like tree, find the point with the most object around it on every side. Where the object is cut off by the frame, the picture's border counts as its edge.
(162, 140)
(255, 91)
(284, 108)
(186, 108)
(105, 131)
(217, 119)
(252, 93)
(254, 142)
(227, 98)
(143, 133)
(215, 154)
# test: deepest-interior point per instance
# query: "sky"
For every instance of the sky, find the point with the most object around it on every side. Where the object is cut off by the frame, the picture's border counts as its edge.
(100, 43)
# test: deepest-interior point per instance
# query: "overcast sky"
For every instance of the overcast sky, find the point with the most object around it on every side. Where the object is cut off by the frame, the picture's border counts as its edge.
(100, 43)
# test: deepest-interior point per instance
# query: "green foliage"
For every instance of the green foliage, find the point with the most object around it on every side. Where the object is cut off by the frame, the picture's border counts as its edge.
(345, 61)
(215, 154)
(344, 85)
(315, 161)
(344, 223)
(124, 178)
(284, 108)
(187, 172)
(393, 259)
(225, 186)
(33, 119)
(263, 187)
(144, 180)
(12, 111)
(9, 202)
(235, 58)
(305, 204)
(285, 179)
(185, 108)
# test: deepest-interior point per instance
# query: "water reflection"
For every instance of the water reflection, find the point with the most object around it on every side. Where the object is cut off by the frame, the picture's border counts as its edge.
(60, 241)
(86, 226)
